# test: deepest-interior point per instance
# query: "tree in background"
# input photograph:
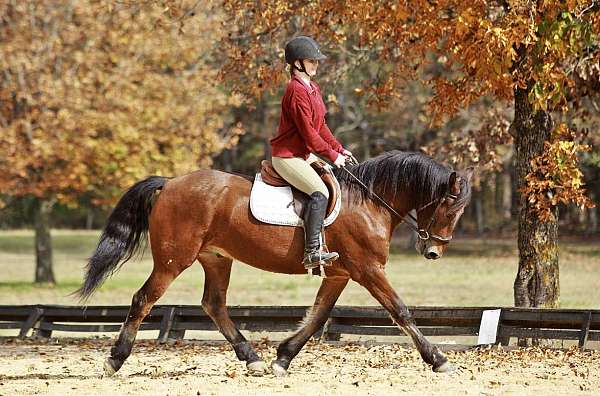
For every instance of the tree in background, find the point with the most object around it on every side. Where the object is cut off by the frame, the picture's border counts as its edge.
(94, 96)
(527, 53)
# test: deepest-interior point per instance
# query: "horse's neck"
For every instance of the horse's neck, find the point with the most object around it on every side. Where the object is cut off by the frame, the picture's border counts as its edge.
(401, 202)
(377, 211)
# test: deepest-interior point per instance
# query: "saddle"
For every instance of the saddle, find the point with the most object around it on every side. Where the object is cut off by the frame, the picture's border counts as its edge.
(270, 176)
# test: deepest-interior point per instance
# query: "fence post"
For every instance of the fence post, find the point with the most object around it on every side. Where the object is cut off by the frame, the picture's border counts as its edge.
(326, 335)
(166, 327)
(32, 319)
(500, 338)
(39, 332)
(585, 329)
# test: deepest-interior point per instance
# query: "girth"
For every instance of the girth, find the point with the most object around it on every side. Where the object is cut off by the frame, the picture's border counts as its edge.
(270, 176)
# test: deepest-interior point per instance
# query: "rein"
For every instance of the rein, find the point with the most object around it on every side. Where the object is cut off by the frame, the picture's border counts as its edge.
(423, 233)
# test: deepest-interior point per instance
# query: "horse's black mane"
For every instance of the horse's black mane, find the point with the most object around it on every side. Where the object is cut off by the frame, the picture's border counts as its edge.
(394, 172)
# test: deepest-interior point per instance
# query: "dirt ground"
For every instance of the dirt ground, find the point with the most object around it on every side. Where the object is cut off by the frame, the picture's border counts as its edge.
(74, 367)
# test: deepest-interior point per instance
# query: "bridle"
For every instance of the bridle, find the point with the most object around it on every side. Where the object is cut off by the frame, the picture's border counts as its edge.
(423, 233)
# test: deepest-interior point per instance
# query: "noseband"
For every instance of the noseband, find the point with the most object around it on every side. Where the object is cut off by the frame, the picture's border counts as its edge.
(423, 233)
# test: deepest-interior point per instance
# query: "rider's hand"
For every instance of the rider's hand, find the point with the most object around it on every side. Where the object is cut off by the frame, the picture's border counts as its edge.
(350, 160)
(340, 161)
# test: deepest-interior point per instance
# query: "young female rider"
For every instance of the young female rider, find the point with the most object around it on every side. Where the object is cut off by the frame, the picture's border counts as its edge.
(303, 131)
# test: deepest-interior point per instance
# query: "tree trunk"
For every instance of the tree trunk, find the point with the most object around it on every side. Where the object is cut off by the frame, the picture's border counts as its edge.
(89, 219)
(582, 221)
(593, 219)
(267, 130)
(227, 160)
(477, 198)
(537, 283)
(506, 204)
(366, 143)
(43, 244)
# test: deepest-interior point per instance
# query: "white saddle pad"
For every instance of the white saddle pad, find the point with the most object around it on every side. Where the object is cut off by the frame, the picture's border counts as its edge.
(275, 205)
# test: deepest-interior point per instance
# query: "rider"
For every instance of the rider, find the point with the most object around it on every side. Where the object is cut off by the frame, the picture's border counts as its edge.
(302, 132)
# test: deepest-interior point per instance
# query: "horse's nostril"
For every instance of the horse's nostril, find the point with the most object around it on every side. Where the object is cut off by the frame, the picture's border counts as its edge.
(431, 255)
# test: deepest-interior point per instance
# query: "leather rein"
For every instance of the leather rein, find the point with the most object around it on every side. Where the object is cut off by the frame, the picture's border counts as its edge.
(423, 233)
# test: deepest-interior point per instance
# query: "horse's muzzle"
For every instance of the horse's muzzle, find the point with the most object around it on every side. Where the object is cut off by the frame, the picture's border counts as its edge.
(428, 250)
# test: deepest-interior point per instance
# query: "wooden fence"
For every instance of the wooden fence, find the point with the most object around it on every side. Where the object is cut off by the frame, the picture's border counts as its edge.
(172, 321)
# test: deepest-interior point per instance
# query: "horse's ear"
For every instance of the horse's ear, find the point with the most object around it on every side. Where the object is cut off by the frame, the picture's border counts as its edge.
(454, 184)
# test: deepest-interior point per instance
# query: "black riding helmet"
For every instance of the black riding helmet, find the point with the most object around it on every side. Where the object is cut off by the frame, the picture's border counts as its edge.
(300, 48)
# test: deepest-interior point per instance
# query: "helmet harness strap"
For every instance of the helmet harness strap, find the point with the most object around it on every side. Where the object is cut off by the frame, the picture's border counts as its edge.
(302, 68)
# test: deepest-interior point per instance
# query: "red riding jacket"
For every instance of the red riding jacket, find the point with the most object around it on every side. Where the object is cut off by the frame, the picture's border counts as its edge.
(302, 128)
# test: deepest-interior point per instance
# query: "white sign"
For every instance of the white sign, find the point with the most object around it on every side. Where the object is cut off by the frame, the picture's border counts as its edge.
(488, 326)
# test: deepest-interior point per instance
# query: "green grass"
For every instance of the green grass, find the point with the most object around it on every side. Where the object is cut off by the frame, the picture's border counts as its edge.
(472, 273)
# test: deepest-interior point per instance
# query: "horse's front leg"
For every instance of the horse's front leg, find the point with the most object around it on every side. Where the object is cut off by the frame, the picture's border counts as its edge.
(374, 280)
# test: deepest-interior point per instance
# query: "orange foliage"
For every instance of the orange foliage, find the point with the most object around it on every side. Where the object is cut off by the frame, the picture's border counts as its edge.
(96, 95)
(555, 177)
(481, 144)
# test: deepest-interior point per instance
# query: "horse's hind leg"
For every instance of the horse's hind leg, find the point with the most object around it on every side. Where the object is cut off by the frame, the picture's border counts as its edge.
(166, 268)
(330, 290)
(217, 271)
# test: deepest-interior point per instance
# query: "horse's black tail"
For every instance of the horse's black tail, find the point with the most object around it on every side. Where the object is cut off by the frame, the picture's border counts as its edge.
(120, 240)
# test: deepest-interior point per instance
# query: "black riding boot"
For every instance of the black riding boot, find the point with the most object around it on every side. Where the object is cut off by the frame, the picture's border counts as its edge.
(314, 214)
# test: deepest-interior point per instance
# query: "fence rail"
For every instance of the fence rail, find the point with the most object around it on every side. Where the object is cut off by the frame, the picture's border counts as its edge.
(172, 321)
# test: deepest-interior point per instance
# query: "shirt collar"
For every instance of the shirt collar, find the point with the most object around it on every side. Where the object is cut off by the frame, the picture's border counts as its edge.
(310, 89)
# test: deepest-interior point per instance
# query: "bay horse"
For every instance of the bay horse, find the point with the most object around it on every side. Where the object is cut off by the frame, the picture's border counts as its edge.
(204, 216)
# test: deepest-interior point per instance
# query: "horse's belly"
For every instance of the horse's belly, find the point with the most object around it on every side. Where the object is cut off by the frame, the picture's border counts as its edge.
(270, 248)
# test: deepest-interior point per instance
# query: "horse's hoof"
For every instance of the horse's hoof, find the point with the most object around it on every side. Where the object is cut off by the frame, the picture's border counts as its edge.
(109, 370)
(278, 371)
(446, 367)
(257, 368)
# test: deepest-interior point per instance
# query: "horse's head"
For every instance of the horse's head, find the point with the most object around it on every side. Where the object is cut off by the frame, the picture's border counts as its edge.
(438, 218)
